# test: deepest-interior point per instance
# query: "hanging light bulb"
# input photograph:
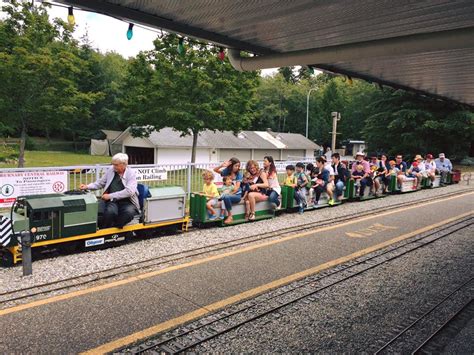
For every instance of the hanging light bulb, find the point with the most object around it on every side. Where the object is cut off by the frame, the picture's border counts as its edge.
(221, 53)
(130, 31)
(181, 46)
(70, 17)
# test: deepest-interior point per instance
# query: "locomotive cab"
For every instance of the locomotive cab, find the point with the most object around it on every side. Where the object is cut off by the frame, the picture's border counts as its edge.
(54, 216)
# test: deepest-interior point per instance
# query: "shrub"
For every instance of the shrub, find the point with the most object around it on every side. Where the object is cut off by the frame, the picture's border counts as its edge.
(8, 153)
(30, 144)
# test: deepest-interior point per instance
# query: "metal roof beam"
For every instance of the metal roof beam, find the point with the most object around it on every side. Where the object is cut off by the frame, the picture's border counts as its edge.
(131, 15)
(372, 79)
(389, 47)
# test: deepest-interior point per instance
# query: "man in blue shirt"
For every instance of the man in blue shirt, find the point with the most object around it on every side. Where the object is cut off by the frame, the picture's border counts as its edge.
(402, 168)
(444, 166)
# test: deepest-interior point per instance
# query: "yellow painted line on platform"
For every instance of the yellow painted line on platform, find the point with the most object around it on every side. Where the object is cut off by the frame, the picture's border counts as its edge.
(172, 323)
(215, 257)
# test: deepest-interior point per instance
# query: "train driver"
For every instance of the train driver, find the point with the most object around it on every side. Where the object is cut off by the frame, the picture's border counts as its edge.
(119, 203)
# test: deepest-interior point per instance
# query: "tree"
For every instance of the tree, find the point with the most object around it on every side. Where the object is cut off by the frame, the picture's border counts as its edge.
(190, 92)
(416, 124)
(271, 108)
(37, 69)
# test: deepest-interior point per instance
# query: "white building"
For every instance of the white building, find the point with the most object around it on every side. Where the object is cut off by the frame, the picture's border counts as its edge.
(168, 147)
(355, 146)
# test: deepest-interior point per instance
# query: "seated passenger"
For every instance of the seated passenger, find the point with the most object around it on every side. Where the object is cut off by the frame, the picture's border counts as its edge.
(231, 168)
(340, 175)
(392, 169)
(381, 174)
(402, 169)
(274, 189)
(212, 194)
(119, 202)
(300, 188)
(374, 164)
(429, 167)
(358, 175)
(227, 186)
(258, 189)
(365, 179)
(247, 180)
(443, 166)
(290, 179)
(330, 184)
(226, 189)
(323, 181)
(415, 170)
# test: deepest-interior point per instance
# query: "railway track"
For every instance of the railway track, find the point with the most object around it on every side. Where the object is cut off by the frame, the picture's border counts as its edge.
(171, 259)
(419, 335)
(188, 336)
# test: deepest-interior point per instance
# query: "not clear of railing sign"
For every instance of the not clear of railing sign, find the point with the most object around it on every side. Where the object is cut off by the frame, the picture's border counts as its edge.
(151, 174)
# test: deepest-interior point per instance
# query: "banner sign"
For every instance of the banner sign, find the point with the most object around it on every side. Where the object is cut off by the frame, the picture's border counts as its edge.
(151, 174)
(16, 184)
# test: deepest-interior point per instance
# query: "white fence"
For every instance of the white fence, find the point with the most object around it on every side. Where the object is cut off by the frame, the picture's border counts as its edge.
(188, 176)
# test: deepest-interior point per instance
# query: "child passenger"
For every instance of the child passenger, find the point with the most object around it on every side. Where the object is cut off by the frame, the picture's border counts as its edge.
(290, 179)
(226, 189)
(211, 193)
(300, 189)
(393, 169)
(357, 175)
(246, 182)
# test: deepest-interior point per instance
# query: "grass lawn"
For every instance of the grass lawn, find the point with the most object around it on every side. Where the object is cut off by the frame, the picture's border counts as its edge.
(40, 158)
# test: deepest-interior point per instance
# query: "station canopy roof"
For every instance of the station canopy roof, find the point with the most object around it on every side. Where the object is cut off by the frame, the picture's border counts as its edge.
(426, 46)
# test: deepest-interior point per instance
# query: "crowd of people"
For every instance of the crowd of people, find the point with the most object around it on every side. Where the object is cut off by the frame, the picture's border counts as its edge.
(119, 201)
(258, 184)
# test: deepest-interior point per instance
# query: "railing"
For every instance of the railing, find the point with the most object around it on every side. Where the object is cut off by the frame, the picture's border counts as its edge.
(188, 175)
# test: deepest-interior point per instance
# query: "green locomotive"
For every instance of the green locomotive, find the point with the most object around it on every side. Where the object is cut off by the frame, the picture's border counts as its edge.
(63, 220)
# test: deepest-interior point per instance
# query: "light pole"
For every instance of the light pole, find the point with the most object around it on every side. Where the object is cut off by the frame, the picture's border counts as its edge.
(307, 110)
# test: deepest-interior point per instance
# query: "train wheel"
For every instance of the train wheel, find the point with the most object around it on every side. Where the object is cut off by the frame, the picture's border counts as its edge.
(146, 233)
(7, 259)
(68, 248)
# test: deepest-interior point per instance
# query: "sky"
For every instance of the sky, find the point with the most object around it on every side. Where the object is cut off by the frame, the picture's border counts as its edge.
(109, 34)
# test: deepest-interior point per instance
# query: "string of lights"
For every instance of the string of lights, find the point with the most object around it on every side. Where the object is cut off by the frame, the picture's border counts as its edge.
(181, 47)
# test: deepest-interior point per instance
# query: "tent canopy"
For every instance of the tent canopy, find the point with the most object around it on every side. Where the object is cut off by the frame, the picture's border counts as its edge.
(426, 46)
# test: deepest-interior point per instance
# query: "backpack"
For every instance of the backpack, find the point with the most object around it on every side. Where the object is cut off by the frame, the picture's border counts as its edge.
(309, 184)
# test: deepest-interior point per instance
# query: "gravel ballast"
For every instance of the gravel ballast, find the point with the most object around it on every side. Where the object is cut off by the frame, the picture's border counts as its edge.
(67, 266)
(361, 314)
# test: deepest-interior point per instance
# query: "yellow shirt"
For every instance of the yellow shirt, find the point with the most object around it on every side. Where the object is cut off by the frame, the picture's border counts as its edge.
(211, 190)
(290, 180)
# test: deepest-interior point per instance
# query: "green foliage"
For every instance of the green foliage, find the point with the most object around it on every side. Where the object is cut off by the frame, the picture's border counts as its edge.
(404, 122)
(8, 152)
(41, 158)
(38, 72)
(389, 120)
(30, 144)
(54, 86)
(190, 92)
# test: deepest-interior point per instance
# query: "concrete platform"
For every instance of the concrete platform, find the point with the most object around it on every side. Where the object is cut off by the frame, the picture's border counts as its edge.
(109, 316)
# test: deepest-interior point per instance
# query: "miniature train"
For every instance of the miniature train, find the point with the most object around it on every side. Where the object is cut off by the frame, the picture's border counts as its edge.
(68, 221)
